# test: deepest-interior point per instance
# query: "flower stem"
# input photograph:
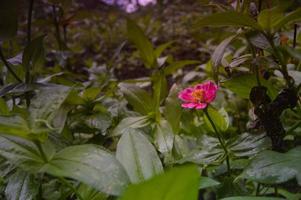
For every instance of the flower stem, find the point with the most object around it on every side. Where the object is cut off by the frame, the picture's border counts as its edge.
(220, 139)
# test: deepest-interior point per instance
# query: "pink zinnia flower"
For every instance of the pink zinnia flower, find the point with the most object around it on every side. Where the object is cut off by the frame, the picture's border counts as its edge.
(199, 96)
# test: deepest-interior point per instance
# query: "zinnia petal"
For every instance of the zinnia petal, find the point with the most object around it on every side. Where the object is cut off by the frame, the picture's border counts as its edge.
(201, 106)
(185, 95)
(189, 105)
(210, 91)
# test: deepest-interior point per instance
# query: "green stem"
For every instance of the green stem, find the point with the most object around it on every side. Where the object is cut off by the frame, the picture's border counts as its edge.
(258, 189)
(279, 57)
(259, 5)
(44, 157)
(27, 76)
(295, 35)
(255, 65)
(65, 182)
(57, 27)
(220, 139)
(7, 65)
(29, 21)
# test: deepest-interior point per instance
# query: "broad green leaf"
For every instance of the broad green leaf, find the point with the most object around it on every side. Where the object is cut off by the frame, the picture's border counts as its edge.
(172, 109)
(207, 182)
(240, 60)
(219, 51)
(248, 145)
(91, 165)
(229, 18)
(47, 102)
(179, 183)
(251, 198)
(174, 66)
(220, 119)
(273, 168)
(138, 98)
(288, 19)
(99, 121)
(33, 52)
(91, 93)
(130, 123)
(242, 85)
(17, 126)
(24, 153)
(142, 43)
(209, 150)
(268, 17)
(258, 40)
(164, 136)
(138, 156)
(21, 186)
(8, 19)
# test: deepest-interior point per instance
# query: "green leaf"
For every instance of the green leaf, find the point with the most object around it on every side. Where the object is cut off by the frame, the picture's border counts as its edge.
(164, 137)
(138, 98)
(248, 145)
(207, 182)
(252, 198)
(219, 51)
(267, 17)
(45, 105)
(33, 52)
(138, 156)
(159, 50)
(229, 18)
(89, 193)
(88, 164)
(99, 121)
(17, 126)
(21, 186)
(174, 66)
(130, 123)
(273, 168)
(159, 88)
(142, 43)
(220, 119)
(91, 93)
(209, 151)
(288, 19)
(4, 110)
(180, 183)
(242, 85)
(24, 153)
(172, 109)
(91, 165)
(8, 19)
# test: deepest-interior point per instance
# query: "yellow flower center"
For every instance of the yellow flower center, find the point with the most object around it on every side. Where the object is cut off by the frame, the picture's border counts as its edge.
(198, 95)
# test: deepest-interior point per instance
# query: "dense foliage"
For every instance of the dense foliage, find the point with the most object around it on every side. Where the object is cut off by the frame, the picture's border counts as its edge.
(182, 100)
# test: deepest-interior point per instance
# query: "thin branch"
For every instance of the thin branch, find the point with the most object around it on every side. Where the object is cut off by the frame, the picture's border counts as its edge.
(29, 19)
(295, 35)
(7, 65)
